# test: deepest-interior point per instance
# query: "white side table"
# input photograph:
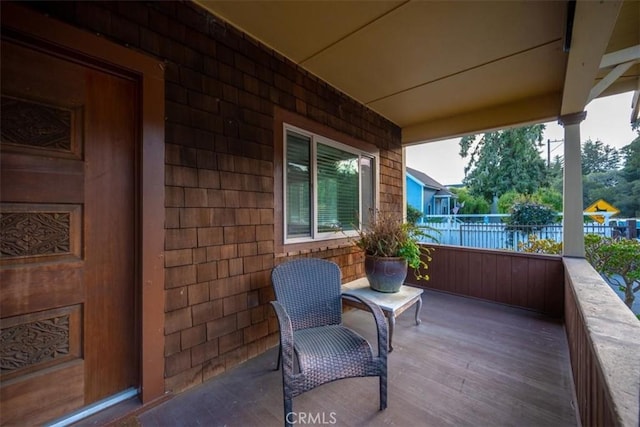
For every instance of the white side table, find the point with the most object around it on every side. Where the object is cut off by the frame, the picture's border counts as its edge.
(392, 304)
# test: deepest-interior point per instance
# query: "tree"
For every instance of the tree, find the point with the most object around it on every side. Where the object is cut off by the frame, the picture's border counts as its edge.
(599, 157)
(603, 178)
(629, 195)
(471, 204)
(555, 174)
(544, 196)
(601, 185)
(628, 199)
(618, 259)
(631, 155)
(504, 160)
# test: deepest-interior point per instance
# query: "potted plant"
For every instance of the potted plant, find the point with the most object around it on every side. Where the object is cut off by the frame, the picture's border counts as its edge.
(391, 245)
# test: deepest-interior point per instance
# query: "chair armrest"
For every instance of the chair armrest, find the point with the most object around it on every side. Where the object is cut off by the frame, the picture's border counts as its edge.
(381, 321)
(286, 338)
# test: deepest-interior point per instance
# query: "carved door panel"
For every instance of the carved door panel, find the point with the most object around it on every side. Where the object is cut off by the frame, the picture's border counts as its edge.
(67, 258)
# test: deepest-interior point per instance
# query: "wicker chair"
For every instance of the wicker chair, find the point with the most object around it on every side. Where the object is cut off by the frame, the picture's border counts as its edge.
(309, 310)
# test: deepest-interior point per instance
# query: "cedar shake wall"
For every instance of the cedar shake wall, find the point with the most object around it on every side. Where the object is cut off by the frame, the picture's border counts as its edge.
(221, 91)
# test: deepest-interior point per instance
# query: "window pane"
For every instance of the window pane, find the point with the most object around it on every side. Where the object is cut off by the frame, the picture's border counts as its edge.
(338, 194)
(298, 185)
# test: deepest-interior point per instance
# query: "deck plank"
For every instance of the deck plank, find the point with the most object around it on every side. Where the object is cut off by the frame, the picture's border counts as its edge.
(469, 363)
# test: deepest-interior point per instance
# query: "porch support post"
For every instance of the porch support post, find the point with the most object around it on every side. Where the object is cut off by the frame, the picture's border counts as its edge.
(572, 223)
(404, 183)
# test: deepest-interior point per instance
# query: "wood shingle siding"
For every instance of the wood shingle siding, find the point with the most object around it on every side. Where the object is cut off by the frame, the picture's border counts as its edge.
(221, 91)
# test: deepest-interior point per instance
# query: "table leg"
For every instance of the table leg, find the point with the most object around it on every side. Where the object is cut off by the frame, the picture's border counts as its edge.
(392, 324)
(418, 308)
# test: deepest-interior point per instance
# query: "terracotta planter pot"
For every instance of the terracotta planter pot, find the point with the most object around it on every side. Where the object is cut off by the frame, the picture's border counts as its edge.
(385, 274)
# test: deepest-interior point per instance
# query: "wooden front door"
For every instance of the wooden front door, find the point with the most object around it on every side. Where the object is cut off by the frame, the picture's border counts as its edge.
(68, 299)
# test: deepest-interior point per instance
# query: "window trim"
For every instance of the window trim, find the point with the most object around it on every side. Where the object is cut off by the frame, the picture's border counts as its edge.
(284, 120)
(315, 141)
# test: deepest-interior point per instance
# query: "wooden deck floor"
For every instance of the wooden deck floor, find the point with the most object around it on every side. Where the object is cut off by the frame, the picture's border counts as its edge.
(469, 363)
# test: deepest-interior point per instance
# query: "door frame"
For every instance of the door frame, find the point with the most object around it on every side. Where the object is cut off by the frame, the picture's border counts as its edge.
(150, 172)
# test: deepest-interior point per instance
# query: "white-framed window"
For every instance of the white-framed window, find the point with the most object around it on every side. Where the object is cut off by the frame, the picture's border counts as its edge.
(329, 187)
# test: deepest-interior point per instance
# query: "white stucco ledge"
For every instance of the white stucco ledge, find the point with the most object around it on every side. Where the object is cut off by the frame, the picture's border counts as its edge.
(614, 333)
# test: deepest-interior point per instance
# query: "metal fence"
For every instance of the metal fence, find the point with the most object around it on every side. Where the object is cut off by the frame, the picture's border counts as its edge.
(493, 232)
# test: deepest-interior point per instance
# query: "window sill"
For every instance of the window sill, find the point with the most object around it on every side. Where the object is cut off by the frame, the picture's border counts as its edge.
(292, 249)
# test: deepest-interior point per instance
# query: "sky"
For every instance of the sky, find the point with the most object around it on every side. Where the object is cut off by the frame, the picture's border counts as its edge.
(607, 120)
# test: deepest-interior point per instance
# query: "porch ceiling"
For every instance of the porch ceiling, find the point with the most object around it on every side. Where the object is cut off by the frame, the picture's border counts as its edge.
(443, 69)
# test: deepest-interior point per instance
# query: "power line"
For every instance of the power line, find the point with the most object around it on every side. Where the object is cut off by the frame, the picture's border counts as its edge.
(549, 141)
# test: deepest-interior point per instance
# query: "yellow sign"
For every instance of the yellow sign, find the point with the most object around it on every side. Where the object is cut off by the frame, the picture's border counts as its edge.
(604, 207)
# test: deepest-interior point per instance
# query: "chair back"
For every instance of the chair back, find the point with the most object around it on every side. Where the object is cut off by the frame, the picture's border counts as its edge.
(309, 290)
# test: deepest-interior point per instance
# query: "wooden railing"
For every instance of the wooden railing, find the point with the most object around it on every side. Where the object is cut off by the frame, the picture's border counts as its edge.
(604, 346)
(529, 281)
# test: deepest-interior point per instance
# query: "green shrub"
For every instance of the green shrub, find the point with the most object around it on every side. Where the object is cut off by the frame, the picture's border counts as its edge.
(508, 200)
(540, 246)
(549, 197)
(530, 216)
(413, 214)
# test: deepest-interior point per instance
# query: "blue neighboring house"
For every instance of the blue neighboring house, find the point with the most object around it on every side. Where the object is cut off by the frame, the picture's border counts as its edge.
(428, 195)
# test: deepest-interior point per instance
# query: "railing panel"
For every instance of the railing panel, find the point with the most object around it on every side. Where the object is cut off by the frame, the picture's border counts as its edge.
(530, 281)
(498, 235)
(604, 345)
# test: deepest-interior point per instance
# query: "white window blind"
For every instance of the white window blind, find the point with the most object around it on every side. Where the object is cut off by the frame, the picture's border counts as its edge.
(298, 185)
(329, 187)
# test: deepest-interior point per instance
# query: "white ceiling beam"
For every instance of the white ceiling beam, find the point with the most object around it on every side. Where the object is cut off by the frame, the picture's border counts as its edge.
(620, 57)
(592, 28)
(609, 79)
(538, 109)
